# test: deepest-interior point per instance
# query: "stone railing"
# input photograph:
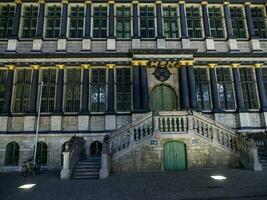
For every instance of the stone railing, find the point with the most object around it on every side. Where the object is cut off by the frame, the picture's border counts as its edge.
(248, 152)
(171, 122)
(212, 130)
(128, 136)
(72, 154)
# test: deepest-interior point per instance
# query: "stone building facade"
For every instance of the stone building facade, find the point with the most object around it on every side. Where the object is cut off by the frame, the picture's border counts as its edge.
(101, 64)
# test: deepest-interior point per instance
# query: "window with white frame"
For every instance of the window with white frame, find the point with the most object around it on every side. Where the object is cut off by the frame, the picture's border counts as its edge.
(170, 21)
(123, 85)
(216, 21)
(29, 21)
(259, 21)
(3, 77)
(7, 13)
(238, 22)
(123, 21)
(193, 17)
(53, 17)
(147, 21)
(76, 21)
(100, 17)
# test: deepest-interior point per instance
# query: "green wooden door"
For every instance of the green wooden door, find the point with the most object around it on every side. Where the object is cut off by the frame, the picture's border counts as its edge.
(174, 156)
(163, 98)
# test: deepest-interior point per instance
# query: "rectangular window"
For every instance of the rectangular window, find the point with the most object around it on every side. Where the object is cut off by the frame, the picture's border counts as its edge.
(123, 83)
(259, 22)
(170, 20)
(100, 22)
(147, 23)
(123, 22)
(225, 88)
(202, 88)
(3, 77)
(194, 22)
(22, 91)
(72, 90)
(76, 18)
(53, 21)
(7, 13)
(49, 90)
(216, 22)
(29, 21)
(264, 75)
(238, 22)
(98, 90)
(248, 88)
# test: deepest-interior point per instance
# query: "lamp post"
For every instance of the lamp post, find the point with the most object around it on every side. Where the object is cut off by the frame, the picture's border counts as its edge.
(38, 121)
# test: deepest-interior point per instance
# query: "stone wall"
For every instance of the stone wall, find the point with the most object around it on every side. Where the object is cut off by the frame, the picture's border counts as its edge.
(202, 154)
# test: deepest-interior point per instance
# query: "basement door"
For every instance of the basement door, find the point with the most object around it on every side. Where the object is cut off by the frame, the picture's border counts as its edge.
(174, 156)
(163, 98)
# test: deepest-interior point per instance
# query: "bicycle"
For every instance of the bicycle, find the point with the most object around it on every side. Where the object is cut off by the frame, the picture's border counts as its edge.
(28, 168)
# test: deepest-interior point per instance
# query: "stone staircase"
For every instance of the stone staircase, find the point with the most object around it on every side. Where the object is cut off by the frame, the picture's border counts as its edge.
(87, 169)
(263, 160)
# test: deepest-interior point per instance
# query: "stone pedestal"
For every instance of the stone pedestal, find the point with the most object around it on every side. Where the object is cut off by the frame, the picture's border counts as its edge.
(62, 44)
(185, 42)
(66, 172)
(255, 45)
(29, 123)
(110, 122)
(83, 123)
(255, 165)
(12, 45)
(161, 44)
(263, 117)
(56, 123)
(136, 43)
(210, 46)
(111, 44)
(37, 44)
(3, 123)
(86, 44)
(105, 167)
(233, 45)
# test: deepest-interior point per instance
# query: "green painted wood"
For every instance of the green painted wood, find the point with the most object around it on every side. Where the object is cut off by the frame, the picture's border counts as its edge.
(174, 156)
(163, 98)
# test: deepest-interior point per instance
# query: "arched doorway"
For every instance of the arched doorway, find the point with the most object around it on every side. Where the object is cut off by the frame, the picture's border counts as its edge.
(95, 149)
(41, 153)
(163, 98)
(175, 156)
(12, 154)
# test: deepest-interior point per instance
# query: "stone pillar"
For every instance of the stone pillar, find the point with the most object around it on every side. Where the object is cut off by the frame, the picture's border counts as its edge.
(86, 42)
(191, 85)
(160, 35)
(37, 41)
(105, 166)
(110, 88)
(34, 89)
(261, 88)
(144, 85)
(136, 87)
(12, 41)
(184, 91)
(229, 28)
(214, 89)
(208, 38)
(66, 172)
(254, 41)
(8, 89)
(238, 88)
(136, 37)
(60, 88)
(184, 33)
(111, 41)
(85, 88)
(62, 40)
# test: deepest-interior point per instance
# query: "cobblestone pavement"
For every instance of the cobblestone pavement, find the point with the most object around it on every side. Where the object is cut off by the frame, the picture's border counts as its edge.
(191, 184)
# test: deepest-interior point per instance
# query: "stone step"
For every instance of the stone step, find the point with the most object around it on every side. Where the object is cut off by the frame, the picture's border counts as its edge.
(94, 173)
(86, 170)
(88, 166)
(85, 177)
(88, 163)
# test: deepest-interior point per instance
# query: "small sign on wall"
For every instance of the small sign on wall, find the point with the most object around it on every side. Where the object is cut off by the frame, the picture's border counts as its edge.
(194, 141)
(153, 142)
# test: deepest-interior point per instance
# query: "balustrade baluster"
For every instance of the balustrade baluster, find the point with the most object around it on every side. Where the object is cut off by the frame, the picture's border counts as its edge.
(168, 124)
(178, 124)
(182, 124)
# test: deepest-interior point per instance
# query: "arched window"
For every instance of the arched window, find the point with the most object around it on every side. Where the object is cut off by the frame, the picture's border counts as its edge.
(41, 154)
(12, 154)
